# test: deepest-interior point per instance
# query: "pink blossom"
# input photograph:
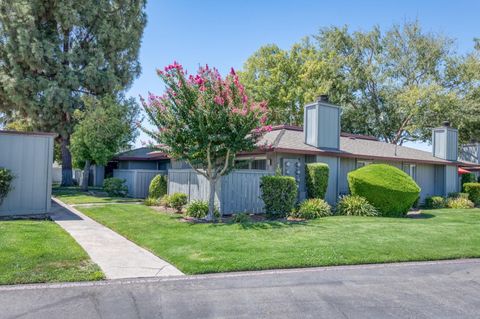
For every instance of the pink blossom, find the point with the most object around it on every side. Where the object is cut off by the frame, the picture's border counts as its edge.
(219, 100)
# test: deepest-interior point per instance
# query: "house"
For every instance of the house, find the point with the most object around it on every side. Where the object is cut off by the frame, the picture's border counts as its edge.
(470, 157)
(29, 156)
(290, 148)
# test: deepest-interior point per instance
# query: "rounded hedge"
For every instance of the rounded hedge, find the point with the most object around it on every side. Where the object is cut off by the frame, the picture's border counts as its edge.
(279, 194)
(316, 179)
(473, 190)
(158, 186)
(390, 190)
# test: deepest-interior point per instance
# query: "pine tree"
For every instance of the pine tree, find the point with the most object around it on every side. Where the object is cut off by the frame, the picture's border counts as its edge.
(53, 53)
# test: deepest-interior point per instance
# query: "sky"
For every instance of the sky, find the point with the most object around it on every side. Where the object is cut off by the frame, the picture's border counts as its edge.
(225, 33)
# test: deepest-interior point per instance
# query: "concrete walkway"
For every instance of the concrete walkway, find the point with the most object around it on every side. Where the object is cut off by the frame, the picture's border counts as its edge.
(117, 256)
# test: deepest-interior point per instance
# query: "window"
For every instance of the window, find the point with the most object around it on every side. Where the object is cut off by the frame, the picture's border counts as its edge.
(251, 163)
(363, 163)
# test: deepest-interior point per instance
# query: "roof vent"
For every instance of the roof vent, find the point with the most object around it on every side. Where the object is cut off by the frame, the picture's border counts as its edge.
(323, 98)
(446, 123)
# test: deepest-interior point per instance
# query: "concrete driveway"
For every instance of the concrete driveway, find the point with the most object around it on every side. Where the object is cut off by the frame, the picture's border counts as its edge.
(449, 289)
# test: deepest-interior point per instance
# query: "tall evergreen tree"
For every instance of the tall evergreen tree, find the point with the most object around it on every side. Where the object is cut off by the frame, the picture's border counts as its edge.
(53, 53)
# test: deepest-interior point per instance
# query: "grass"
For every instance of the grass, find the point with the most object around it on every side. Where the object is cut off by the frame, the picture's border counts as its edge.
(40, 251)
(74, 195)
(337, 240)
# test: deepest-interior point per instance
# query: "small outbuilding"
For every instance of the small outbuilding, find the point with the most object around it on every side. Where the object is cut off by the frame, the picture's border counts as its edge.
(29, 156)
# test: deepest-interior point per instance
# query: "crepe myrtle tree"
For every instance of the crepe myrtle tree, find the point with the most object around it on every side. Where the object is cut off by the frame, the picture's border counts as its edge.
(205, 120)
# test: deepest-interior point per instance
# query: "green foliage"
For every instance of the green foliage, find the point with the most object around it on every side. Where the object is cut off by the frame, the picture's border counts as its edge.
(177, 201)
(468, 178)
(240, 218)
(158, 186)
(199, 209)
(317, 179)
(353, 205)
(394, 85)
(460, 203)
(390, 190)
(151, 201)
(55, 53)
(115, 187)
(312, 208)
(457, 195)
(473, 190)
(106, 126)
(165, 200)
(205, 120)
(279, 193)
(6, 178)
(435, 202)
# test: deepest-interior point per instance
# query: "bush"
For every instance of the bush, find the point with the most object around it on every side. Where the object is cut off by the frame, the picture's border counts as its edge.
(158, 186)
(165, 201)
(177, 201)
(467, 178)
(390, 190)
(240, 218)
(473, 191)
(279, 194)
(115, 187)
(149, 201)
(199, 209)
(459, 203)
(354, 205)
(312, 208)
(457, 195)
(435, 202)
(317, 179)
(6, 178)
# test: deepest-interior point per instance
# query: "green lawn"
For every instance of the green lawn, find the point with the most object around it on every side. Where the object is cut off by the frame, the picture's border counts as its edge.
(338, 240)
(40, 251)
(74, 195)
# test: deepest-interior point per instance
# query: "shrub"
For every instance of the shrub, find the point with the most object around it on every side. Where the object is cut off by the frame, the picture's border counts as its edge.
(240, 218)
(149, 201)
(457, 195)
(354, 205)
(435, 202)
(390, 190)
(199, 209)
(467, 178)
(279, 194)
(165, 201)
(158, 186)
(317, 179)
(177, 201)
(6, 178)
(459, 203)
(115, 187)
(312, 208)
(473, 191)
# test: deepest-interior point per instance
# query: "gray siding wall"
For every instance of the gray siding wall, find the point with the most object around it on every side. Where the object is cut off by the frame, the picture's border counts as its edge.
(237, 192)
(445, 143)
(470, 153)
(426, 180)
(322, 123)
(137, 181)
(451, 179)
(346, 165)
(277, 161)
(30, 158)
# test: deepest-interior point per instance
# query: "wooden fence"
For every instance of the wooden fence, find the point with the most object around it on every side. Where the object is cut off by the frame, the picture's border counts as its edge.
(137, 180)
(237, 192)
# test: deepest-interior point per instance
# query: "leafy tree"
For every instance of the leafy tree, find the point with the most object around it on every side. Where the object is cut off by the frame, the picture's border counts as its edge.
(205, 120)
(55, 52)
(105, 127)
(391, 85)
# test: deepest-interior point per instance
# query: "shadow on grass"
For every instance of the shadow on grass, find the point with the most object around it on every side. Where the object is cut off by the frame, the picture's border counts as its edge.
(421, 216)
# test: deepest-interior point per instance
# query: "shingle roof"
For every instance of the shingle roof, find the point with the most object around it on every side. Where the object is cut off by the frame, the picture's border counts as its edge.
(140, 154)
(292, 140)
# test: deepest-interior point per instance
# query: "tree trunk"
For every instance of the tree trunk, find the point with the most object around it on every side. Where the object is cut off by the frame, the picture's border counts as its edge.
(211, 201)
(67, 178)
(86, 175)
